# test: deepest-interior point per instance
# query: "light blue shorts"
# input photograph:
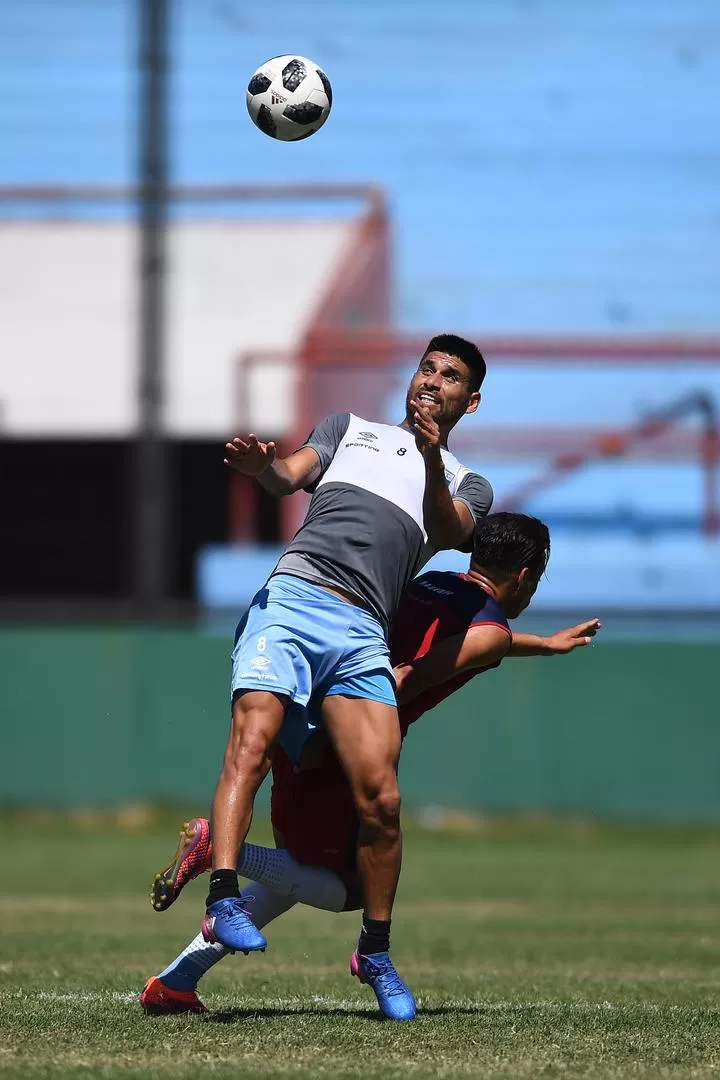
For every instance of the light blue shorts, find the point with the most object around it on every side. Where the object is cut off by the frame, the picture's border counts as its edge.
(301, 641)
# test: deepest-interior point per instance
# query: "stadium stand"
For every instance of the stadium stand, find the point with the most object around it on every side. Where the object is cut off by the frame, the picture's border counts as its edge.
(559, 177)
(559, 180)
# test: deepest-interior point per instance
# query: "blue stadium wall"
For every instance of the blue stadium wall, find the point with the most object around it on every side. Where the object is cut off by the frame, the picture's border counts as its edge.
(551, 166)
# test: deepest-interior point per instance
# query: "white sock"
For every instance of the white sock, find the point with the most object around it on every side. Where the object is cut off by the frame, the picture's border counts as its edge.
(276, 868)
(188, 968)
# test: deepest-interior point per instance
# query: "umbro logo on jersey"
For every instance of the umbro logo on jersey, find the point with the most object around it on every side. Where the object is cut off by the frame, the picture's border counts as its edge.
(436, 589)
(367, 435)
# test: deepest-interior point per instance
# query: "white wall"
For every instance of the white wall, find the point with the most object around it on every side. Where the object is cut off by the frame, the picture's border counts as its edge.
(68, 320)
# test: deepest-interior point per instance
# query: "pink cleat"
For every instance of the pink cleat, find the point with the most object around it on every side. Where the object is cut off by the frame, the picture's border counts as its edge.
(192, 858)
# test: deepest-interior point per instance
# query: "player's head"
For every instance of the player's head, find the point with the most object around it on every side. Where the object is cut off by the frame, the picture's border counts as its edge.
(447, 380)
(511, 551)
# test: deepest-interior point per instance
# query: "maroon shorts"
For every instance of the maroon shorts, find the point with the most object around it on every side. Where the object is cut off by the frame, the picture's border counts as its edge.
(313, 810)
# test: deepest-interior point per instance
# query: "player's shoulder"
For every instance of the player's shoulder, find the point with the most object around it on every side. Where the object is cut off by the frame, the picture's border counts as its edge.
(330, 429)
(336, 420)
(456, 471)
(437, 583)
(467, 598)
(459, 475)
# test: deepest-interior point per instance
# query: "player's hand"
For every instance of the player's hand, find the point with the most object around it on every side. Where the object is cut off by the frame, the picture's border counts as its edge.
(574, 637)
(427, 433)
(249, 456)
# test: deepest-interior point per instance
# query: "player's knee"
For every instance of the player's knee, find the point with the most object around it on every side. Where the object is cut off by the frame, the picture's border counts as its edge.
(388, 807)
(379, 809)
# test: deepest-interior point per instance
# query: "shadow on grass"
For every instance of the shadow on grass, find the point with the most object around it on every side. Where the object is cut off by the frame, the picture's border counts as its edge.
(231, 1016)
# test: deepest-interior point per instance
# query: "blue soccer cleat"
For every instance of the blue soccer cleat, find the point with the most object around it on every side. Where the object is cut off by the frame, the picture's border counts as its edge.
(228, 922)
(393, 996)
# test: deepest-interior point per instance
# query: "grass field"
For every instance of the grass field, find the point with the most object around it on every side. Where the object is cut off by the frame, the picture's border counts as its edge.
(534, 952)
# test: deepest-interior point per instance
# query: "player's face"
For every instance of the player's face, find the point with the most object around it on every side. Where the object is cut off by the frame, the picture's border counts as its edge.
(442, 384)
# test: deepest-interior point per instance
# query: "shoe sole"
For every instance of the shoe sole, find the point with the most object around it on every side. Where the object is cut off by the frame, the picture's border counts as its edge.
(151, 1008)
(165, 889)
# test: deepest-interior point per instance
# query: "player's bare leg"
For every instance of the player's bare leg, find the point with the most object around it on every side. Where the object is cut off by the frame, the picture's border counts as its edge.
(257, 717)
(366, 738)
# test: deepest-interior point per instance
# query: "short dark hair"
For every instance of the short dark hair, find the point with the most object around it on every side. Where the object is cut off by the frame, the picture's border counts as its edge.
(463, 350)
(507, 542)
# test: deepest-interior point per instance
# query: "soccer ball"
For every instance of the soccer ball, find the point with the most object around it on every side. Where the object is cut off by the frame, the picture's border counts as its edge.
(289, 98)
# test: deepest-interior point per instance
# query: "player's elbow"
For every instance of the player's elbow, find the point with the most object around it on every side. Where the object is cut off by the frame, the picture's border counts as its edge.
(448, 538)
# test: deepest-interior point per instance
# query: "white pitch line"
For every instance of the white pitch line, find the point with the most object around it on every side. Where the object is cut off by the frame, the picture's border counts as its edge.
(72, 996)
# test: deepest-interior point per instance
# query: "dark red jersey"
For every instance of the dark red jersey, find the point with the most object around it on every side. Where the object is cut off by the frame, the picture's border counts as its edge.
(313, 809)
(437, 606)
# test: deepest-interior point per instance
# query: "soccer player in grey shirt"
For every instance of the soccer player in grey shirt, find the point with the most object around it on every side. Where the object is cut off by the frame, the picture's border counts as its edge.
(384, 499)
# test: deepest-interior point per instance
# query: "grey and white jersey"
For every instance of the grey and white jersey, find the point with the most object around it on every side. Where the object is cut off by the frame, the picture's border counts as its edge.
(363, 533)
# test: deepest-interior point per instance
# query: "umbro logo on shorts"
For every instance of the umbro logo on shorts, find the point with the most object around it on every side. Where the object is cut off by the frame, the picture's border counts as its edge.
(259, 662)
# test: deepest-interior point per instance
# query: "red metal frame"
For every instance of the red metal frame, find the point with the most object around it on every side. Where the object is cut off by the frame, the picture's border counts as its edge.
(377, 347)
(325, 349)
(327, 352)
(350, 327)
(617, 443)
(192, 193)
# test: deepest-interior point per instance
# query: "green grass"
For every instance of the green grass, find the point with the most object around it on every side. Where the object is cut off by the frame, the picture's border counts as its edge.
(545, 952)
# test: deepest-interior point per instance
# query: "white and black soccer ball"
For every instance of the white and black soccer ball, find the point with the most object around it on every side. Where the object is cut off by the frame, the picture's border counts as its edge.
(289, 98)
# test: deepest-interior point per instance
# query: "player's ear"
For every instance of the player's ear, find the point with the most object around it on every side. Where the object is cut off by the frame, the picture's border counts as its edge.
(522, 579)
(475, 399)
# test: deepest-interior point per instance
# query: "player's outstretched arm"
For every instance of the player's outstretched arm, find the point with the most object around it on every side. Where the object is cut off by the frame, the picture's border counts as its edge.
(279, 476)
(557, 644)
(480, 647)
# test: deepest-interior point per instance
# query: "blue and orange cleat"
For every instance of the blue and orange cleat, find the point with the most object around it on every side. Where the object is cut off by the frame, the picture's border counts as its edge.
(192, 858)
(157, 999)
(228, 922)
(393, 996)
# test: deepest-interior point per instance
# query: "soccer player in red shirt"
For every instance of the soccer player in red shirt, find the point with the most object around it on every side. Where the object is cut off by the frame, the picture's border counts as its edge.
(450, 628)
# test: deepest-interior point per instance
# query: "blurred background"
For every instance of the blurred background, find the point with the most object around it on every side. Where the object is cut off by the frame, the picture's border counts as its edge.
(542, 176)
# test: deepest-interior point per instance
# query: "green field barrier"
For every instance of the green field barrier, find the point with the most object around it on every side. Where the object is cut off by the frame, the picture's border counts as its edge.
(98, 716)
